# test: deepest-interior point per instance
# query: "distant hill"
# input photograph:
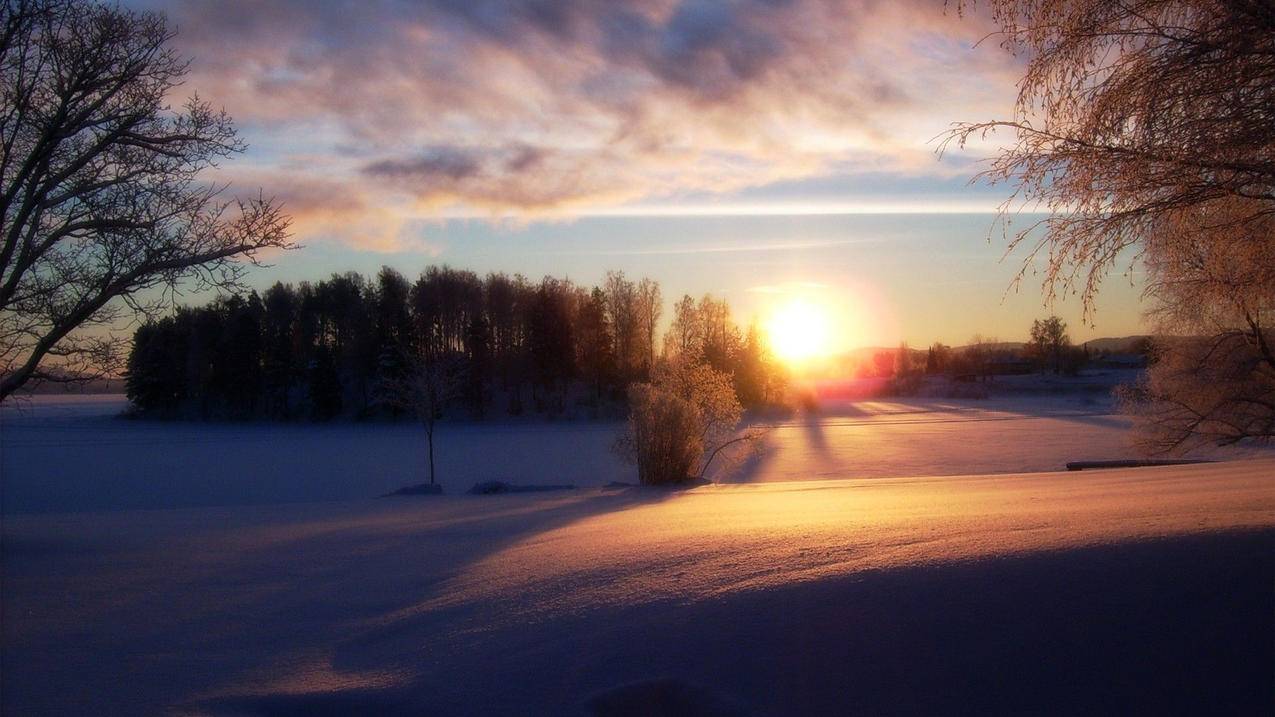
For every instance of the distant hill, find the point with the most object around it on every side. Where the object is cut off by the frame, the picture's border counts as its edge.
(1121, 344)
(1124, 345)
(1110, 344)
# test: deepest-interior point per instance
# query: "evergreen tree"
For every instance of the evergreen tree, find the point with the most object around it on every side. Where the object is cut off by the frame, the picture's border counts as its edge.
(279, 362)
(594, 343)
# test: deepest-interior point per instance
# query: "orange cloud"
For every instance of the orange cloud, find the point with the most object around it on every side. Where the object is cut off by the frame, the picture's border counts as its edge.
(558, 107)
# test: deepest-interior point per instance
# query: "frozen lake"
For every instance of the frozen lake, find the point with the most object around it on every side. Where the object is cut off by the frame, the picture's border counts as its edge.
(73, 453)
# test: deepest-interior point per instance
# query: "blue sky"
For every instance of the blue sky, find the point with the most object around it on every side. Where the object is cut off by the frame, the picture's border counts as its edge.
(748, 148)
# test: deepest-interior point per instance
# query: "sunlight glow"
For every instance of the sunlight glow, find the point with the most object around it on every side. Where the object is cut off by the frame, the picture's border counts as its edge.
(798, 330)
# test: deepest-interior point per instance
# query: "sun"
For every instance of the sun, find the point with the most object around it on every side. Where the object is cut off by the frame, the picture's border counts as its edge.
(798, 331)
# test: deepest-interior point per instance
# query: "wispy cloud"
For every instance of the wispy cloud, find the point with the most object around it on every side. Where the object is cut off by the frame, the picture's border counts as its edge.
(734, 248)
(789, 287)
(589, 106)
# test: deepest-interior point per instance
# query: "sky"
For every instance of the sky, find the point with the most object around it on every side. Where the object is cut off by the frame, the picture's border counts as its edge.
(758, 149)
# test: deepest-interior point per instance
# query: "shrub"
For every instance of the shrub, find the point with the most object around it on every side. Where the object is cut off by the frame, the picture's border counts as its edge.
(681, 422)
(664, 435)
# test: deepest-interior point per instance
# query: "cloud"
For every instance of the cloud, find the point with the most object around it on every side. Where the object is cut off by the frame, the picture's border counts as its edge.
(734, 248)
(325, 209)
(790, 287)
(563, 106)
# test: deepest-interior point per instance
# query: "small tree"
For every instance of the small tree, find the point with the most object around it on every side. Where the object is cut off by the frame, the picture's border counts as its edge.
(937, 358)
(681, 423)
(1049, 342)
(102, 214)
(425, 391)
(907, 379)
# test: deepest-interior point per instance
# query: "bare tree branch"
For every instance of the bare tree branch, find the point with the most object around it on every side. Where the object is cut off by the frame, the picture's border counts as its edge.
(102, 206)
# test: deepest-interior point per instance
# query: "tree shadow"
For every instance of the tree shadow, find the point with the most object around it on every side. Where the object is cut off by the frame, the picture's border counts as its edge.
(812, 429)
(298, 585)
(1178, 625)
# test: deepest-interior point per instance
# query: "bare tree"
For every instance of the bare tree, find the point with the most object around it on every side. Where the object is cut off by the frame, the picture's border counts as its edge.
(621, 303)
(103, 212)
(1132, 118)
(425, 391)
(683, 340)
(650, 304)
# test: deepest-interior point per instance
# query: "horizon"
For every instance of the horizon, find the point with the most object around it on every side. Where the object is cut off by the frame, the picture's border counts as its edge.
(748, 150)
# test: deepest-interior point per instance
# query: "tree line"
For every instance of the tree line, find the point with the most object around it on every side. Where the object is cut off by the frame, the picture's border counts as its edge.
(502, 344)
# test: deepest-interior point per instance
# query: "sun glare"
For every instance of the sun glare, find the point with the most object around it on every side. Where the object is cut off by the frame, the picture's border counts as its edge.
(798, 331)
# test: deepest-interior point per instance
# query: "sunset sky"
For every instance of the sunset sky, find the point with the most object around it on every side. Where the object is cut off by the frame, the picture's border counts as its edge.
(754, 149)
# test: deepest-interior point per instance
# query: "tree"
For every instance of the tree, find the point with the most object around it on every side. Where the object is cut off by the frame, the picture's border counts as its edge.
(279, 359)
(1215, 381)
(392, 325)
(1144, 127)
(883, 363)
(103, 213)
(681, 422)
(1132, 119)
(478, 361)
(977, 356)
(324, 386)
(425, 391)
(649, 306)
(753, 370)
(683, 341)
(593, 342)
(622, 315)
(1049, 341)
(718, 334)
(937, 358)
(236, 376)
(155, 381)
(550, 340)
(907, 379)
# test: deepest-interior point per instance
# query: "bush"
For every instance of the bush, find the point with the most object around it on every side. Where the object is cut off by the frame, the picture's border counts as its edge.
(664, 435)
(681, 422)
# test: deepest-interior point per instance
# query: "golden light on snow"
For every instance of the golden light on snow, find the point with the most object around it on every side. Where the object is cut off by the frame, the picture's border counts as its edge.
(798, 330)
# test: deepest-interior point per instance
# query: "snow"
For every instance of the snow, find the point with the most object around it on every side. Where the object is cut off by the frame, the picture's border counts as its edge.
(245, 591)
(68, 454)
(63, 453)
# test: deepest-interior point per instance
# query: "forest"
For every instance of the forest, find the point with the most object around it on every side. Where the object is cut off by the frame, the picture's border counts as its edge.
(504, 346)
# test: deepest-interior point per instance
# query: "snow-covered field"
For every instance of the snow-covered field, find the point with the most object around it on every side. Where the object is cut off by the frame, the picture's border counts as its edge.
(262, 577)
(1133, 591)
(63, 453)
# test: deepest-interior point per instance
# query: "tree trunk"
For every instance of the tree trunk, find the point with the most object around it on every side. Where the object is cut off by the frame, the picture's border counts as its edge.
(430, 436)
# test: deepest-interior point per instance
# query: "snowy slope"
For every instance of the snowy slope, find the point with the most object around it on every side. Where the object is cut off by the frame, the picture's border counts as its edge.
(1143, 590)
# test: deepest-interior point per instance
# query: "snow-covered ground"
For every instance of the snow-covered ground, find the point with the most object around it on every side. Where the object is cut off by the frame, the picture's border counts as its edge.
(64, 453)
(248, 569)
(1126, 591)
